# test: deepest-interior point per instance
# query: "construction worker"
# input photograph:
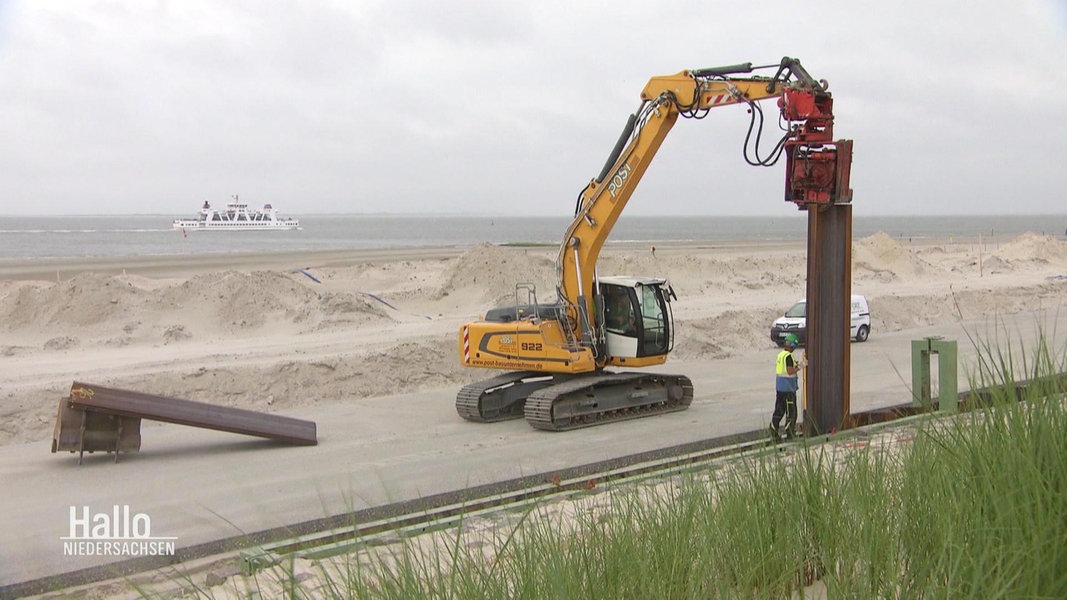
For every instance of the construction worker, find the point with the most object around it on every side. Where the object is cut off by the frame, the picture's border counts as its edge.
(785, 388)
(619, 316)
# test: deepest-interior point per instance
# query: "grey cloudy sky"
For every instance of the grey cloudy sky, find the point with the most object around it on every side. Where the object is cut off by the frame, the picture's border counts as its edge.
(511, 107)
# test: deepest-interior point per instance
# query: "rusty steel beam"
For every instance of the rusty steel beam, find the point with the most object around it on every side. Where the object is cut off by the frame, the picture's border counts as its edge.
(829, 291)
(99, 399)
(84, 431)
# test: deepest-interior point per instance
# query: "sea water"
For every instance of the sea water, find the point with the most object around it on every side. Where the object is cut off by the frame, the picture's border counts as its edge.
(29, 237)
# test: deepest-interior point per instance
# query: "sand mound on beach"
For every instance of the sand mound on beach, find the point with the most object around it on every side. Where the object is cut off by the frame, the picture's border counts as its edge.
(242, 299)
(1028, 251)
(84, 300)
(1034, 248)
(490, 273)
(690, 274)
(118, 307)
(894, 313)
(882, 258)
(252, 300)
(724, 334)
(733, 331)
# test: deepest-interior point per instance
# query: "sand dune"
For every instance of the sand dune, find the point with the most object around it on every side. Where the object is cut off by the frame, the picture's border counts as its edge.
(256, 336)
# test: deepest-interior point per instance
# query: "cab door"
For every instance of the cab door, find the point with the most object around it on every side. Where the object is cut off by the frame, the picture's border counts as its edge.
(654, 324)
(621, 321)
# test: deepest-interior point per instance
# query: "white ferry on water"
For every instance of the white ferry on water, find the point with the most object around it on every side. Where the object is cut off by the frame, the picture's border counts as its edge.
(237, 217)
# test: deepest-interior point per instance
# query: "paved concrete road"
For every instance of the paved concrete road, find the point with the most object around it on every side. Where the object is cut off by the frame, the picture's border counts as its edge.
(197, 485)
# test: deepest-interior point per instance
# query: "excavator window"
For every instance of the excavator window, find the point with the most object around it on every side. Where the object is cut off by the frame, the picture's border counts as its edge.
(655, 338)
(640, 313)
(619, 316)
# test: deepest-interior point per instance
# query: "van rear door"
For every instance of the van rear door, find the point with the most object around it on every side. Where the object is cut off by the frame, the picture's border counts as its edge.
(861, 318)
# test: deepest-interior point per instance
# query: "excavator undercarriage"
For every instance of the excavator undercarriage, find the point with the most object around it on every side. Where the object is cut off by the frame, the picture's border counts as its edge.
(564, 402)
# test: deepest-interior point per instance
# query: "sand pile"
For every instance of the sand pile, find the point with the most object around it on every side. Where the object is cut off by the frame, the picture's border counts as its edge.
(1026, 252)
(771, 273)
(242, 300)
(995, 265)
(115, 310)
(895, 313)
(253, 300)
(85, 300)
(694, 274)
(1033, 248)
(489, 273)
(724, 335)
(882, 258)
(392, 282)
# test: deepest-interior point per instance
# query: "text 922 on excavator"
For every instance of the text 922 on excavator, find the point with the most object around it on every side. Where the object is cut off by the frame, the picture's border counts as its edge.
(567, 362)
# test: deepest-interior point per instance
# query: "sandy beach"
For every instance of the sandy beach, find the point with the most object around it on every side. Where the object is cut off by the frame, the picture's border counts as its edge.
(257, 331)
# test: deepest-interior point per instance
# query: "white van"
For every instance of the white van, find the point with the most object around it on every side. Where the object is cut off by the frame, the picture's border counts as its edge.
(794, 321)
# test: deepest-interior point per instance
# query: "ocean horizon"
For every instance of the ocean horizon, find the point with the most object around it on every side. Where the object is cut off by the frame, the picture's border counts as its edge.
(70, 236)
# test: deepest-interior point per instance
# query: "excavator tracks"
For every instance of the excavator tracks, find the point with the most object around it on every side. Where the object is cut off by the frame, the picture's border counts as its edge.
(499, 398)
(560, 404)
(606, 397)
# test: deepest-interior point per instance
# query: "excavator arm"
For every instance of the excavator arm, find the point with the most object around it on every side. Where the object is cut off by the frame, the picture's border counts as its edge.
(811, 170)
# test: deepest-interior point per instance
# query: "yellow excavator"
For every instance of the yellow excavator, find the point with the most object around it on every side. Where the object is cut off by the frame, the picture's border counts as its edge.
(563, 358)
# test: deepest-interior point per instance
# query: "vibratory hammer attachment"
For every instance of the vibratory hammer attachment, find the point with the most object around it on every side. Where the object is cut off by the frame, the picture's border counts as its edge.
(817, 168)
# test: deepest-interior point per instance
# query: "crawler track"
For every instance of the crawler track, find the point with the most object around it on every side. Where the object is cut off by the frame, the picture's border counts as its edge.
(499, 398)
(562, 403)
(606, 397)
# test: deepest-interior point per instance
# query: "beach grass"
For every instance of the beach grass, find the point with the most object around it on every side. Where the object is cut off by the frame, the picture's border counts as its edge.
(972, 505)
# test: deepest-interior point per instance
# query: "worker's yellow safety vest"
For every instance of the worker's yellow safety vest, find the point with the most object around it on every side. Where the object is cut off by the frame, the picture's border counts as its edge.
(784, 382)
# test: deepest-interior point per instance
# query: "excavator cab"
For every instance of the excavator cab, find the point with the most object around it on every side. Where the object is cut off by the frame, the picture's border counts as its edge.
(637, 319)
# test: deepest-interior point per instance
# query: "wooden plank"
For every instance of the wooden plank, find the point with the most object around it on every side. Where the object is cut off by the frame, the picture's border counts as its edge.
(127, 403)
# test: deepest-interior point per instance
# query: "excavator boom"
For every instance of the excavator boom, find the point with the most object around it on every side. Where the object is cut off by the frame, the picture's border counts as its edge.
(689, 94)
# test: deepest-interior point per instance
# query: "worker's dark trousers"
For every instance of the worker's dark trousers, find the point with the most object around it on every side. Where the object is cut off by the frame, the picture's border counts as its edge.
(785, 403)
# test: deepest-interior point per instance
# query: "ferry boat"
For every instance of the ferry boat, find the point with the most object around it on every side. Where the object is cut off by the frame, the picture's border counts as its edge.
(237, 216)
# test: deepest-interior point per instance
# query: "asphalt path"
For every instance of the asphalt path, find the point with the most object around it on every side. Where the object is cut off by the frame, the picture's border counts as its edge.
(198, 486)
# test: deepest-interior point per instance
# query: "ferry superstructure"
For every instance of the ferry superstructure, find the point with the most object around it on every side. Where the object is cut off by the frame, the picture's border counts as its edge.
(237, 217)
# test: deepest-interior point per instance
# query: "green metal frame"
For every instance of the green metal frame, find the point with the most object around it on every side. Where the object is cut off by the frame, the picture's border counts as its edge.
(947, 398)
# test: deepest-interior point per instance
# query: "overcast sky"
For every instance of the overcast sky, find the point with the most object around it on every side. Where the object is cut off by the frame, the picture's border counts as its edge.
(503, 107)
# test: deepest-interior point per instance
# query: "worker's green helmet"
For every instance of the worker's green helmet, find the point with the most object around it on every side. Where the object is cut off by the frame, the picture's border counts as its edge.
(791, 340)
